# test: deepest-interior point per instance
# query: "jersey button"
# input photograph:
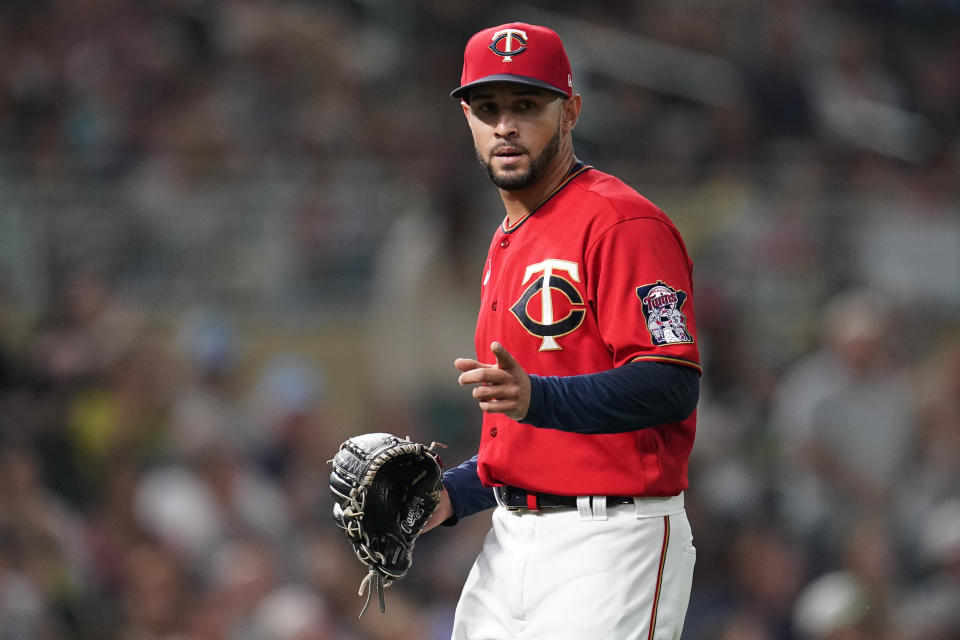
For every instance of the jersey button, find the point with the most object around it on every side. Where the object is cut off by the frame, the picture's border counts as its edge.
(504, 243)
(493, 305)
(493, 432)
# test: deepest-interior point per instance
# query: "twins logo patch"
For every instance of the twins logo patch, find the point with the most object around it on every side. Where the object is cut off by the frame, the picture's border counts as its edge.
(662, 309)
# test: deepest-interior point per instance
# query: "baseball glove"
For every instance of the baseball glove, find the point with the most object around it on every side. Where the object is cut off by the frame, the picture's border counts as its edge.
(385, 489)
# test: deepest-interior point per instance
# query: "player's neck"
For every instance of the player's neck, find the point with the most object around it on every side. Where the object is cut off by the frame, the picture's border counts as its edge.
(521, 202)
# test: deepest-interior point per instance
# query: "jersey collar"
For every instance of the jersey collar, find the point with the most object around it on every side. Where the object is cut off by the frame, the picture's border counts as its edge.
(577, 168)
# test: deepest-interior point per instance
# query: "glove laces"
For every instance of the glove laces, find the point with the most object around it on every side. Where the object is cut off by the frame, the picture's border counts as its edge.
(373, 582)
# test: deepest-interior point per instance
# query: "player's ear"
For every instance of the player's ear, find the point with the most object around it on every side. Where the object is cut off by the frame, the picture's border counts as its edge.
(571, 112)
(466, 107)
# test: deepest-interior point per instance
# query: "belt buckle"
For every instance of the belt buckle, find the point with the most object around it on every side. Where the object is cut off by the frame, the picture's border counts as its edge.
(502, 491)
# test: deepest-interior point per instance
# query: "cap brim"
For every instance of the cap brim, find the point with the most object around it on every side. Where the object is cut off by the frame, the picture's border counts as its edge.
(506, 77)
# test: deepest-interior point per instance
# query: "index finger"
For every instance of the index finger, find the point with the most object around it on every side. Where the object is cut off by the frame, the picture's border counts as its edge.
(469, 364)
(487, 375)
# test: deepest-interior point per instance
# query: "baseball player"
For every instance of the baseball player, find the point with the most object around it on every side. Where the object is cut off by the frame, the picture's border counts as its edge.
(586, 371)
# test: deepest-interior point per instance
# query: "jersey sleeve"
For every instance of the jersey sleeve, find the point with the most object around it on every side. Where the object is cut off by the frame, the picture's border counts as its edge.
(640, 285)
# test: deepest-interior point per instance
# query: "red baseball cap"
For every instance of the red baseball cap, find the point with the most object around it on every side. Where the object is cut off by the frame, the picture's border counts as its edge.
(516, 52)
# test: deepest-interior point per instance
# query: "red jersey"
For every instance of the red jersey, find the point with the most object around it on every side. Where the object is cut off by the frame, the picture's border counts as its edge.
(593, 278)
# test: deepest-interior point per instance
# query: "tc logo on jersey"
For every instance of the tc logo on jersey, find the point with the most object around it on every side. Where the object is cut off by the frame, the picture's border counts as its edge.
(548, 327)
(661, 308)
(509, 42)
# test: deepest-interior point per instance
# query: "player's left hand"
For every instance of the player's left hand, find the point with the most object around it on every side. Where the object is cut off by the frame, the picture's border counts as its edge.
(503, 387)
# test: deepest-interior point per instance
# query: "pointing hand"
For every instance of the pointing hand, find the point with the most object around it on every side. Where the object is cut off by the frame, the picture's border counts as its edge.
(503, 387)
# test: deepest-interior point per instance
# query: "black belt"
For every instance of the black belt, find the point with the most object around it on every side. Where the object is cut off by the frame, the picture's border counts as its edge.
(515, 499)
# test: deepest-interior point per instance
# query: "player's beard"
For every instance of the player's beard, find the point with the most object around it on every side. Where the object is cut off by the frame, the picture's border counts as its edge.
(514, 180)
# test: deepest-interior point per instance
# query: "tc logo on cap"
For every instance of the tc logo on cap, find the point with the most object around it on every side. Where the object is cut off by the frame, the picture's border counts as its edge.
(504, 41)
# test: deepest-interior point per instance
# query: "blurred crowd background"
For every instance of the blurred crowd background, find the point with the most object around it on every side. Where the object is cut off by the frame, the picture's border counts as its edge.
(235, 232)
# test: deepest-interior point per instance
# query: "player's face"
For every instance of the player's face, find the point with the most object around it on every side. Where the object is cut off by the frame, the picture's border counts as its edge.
(516, 132)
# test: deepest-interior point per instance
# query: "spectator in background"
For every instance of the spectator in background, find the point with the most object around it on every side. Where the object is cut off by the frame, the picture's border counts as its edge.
(869, 555)
(88, 329)
(206, 404)
(928, 609)
(934, 465)
(45, 564)
(293, 436)
(832, 607)
(155, 595)
(22, 606)
(421, 308)
(291, 612)
(81, 362)
(844, 419)
(929, 506)
(243, 571)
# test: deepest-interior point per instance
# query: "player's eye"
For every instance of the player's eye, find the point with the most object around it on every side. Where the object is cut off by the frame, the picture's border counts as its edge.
(525, 105)
(486, 107)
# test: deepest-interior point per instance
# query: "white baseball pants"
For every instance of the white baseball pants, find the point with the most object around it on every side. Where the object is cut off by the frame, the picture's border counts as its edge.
(622, 573)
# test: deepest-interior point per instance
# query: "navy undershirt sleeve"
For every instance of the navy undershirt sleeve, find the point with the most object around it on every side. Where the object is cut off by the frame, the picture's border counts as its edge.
(467, 494)
(635, 396)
